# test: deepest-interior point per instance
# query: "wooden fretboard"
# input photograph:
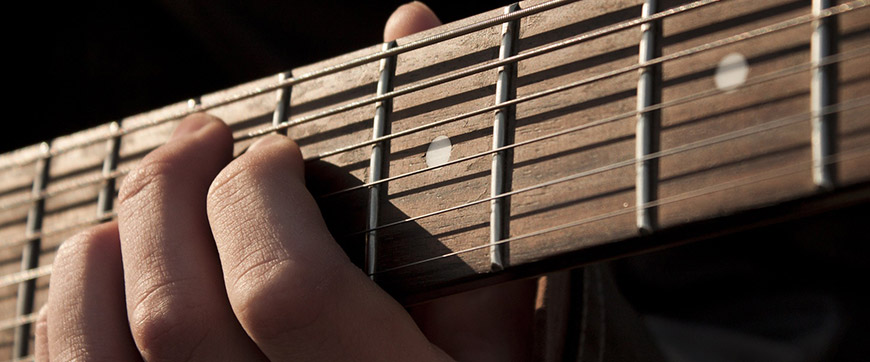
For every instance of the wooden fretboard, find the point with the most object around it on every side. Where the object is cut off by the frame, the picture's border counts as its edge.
(540, 136)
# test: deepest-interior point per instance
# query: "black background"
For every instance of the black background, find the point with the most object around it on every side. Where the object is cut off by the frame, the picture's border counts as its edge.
(75, 65)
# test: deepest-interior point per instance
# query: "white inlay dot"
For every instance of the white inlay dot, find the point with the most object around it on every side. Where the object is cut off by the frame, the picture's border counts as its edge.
(438, 152)
(731, 72)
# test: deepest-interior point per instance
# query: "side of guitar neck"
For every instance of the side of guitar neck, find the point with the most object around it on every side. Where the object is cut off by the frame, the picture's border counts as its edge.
(720, 129)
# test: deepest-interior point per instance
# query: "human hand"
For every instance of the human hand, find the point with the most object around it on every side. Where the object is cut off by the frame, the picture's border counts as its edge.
(219, 259)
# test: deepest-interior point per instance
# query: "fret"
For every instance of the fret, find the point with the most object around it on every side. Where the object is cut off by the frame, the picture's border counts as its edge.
(821, 97)
(502, 134)
(645, 188)
(380, 128)
(282, 102)
(106, 197)
(30, 255)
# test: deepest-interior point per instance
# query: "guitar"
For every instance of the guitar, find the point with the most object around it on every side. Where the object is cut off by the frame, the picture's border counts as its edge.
(522, 140)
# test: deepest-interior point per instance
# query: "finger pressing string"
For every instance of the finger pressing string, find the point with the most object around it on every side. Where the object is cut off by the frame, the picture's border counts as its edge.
(177, 305)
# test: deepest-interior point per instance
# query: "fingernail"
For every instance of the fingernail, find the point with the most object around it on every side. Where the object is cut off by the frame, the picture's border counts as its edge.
(266, 140)
(189, 126)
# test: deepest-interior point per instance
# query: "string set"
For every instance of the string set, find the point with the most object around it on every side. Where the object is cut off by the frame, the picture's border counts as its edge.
(538, 51)
(748, 131)
(767, 126)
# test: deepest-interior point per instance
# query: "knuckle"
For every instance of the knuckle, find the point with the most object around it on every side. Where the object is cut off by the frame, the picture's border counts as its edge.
(232, 187)
(150, 171)
(166, 329)
(275, 299)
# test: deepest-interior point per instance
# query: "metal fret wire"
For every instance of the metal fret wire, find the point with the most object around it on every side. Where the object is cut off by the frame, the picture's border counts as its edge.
(820, 96)
(645, 184)
(106, 197)
(30, 256)
(745, 181)
(501, 127)
(748, 131)
(422, 85)
(380, 126)
(437, 38)
(832, 59)
(651, 156)
(282, 100)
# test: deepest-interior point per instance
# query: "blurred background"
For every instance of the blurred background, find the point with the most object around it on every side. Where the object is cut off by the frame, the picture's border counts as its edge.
(75, 65)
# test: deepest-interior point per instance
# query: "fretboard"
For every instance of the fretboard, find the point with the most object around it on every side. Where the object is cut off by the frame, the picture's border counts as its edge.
(540, 136)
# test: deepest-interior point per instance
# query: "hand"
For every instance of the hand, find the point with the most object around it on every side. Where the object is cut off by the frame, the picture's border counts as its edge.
(229, 260)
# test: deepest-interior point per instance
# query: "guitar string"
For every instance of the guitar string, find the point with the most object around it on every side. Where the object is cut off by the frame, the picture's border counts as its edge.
(711, 92)
(743, 36)
(447, 35)
(745, 181)
(18, 277)
(794, 168)
(832, 59)
(748, 131)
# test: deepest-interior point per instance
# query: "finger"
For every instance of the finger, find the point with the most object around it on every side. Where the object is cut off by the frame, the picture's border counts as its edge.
(86, 301)
(408, 19)
(41, 349)
(177, 306)
(291, 286)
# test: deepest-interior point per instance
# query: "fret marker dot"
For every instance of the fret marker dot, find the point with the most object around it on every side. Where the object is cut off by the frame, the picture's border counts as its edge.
(438, 152)
(731, 72)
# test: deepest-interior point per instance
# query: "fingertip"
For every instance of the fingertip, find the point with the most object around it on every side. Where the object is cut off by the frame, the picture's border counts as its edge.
(193, 123)
(408, 19)
(279, 147)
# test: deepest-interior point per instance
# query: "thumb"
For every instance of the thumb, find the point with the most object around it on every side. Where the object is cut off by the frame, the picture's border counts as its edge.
(408, 19)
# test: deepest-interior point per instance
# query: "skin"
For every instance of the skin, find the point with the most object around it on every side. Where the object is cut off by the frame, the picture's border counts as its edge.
(221, 259)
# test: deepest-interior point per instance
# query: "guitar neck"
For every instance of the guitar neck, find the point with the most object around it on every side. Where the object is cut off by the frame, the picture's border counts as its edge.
(540, 136)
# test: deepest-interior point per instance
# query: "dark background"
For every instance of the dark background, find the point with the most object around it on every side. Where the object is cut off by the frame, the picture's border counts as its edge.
(75, 65)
